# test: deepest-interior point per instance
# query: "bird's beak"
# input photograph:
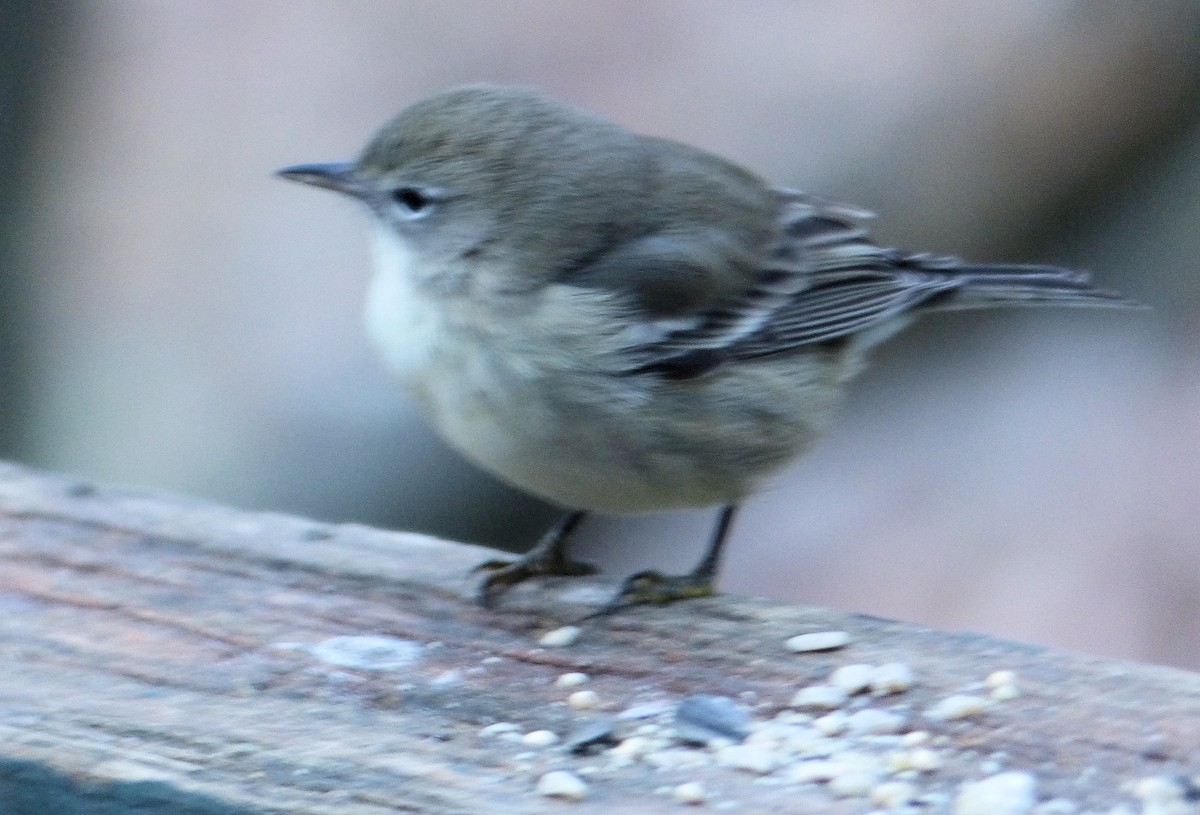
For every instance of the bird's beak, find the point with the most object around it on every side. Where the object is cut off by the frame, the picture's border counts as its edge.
(336, 175)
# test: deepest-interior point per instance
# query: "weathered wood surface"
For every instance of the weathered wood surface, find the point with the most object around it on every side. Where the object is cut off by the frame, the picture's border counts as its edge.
(162, 655)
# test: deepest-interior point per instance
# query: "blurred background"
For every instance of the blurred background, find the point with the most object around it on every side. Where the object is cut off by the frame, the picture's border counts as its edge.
(175, 317)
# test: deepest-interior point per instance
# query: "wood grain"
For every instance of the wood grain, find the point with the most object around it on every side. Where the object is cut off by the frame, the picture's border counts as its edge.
(166, 655)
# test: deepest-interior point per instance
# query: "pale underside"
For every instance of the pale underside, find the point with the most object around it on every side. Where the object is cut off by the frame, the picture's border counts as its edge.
(567, 425)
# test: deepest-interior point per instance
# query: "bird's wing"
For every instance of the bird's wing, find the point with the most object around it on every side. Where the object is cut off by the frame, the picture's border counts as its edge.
(823, 280)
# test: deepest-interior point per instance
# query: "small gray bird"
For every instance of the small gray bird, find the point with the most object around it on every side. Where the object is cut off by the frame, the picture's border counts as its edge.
(619, 323)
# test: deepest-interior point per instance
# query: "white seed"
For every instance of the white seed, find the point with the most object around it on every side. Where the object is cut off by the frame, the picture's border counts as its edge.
(1003, 685)
(832, 724)
(499, 729)
(560, 637)
(562, 784)
(853, 785)
(924, 760)
(915, 738)
(824, 697)
(692, 792)
(584, 700)
(646, 710)
(891, 677)
(570, 680)
(871, 722)
(750, 757)
(957, 707)
(917, 760)
(818, 641)
(854, 678)
(792, 717)
(1159, 793)
(893, 794)
(1005, 693)
(849, 774)
(1003, 794)
(631, 747)
(540, 738)
(805, 741)
(768, 734)
(677, 758)
(991, 767)
(997, 678)
(806, 772)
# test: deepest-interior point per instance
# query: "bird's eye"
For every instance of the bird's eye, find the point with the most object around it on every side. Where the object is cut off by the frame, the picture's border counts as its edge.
(412, 201)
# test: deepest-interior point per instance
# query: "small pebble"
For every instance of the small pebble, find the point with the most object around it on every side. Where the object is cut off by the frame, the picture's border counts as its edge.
(560, 637)
(583, 700)
(571, 680)
(593, 737)
(825, 697)
(891, 677)
(818, 641)
(699, 719)
(562, 784)
(854, 678)
(957, 707)
(692, 792)
(540, 738)
(1003, 794)
(871, 722)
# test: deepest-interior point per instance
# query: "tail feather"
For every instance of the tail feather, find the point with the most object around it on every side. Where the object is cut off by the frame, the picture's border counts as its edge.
(981, 286)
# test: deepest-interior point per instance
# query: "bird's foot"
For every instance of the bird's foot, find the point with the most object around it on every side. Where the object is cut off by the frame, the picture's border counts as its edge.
(504, 574)
(656, 588)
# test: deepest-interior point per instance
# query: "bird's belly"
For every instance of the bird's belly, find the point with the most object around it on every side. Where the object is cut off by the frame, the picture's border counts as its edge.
(579, 455)
(605, 443)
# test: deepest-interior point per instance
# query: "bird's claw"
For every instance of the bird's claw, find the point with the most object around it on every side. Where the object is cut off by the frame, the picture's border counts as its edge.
(504, 574)
(656, 588)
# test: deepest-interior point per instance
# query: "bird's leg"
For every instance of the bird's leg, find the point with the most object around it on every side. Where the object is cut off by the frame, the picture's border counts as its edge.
(547, 557)
(655, 587)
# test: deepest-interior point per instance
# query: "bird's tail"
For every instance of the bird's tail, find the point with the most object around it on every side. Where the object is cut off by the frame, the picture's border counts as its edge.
(981, 286)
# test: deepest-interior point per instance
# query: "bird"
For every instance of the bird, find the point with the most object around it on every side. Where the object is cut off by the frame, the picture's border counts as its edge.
(619, 323)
